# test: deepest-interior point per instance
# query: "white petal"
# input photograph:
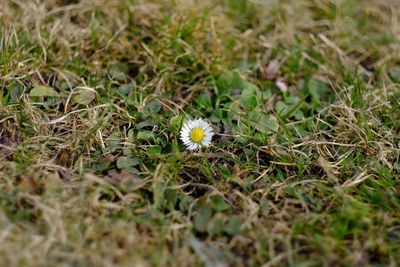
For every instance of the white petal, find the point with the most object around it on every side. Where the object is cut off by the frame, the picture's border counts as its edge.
(187, 142)
(193, 146)
(206, 143)
(207, 139)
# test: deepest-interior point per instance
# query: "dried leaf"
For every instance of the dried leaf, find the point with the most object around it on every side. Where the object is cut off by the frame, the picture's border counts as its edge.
(29, 184)
(269, 72)
(324, 164)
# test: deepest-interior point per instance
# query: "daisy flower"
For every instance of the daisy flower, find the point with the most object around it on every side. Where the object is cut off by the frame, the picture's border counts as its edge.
(196, 134)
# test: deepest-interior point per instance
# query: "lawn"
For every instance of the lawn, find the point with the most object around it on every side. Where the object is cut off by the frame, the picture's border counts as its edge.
(303, 168)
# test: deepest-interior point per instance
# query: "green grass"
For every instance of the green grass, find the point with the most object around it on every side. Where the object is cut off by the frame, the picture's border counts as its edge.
(93, 96)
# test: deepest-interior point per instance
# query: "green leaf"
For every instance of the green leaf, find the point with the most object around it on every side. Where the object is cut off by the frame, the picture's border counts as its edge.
(16, 92)
(284, 108)
(126, 163)
(249, 97)
(125, 89)
(153, 107)
(264, 123)
(226, 81)
(175, 123)
(185, 202)
(204, 101)
(43, 91)
(234, 225)
(201, 219)
(232, 80)
(216, 225)
(147, 123)
(171, 196)
(146, 136)
(102, 164)
(218, 203)
(281, 108)
(84, 96)
(317, 89)
(154, 150)
(394, 74)
(217, 115)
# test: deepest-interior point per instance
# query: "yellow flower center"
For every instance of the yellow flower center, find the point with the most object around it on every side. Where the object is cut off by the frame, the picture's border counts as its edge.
(197, 135)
